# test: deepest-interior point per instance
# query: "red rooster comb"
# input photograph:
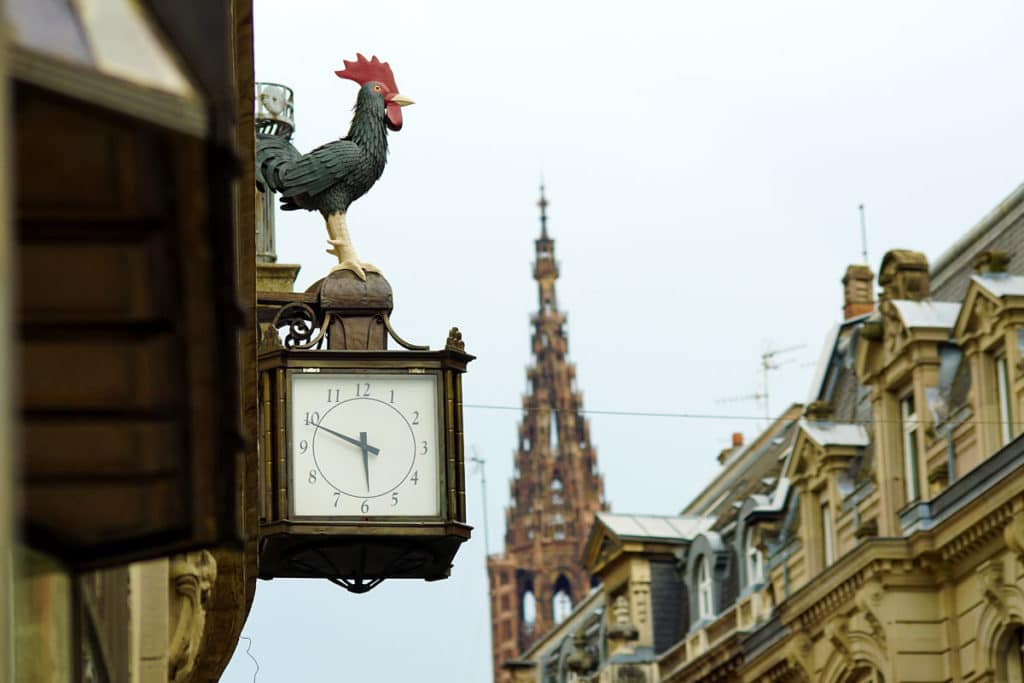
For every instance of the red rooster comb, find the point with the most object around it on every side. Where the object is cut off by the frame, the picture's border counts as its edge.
(364, 71)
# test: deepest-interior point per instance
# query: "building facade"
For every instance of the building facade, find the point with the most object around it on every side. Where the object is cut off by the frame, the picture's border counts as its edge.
(556, 489)
(874, 534)
(128, 552)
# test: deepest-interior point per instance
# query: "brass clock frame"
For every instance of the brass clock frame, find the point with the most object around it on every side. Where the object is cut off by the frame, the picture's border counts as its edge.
(359, 552)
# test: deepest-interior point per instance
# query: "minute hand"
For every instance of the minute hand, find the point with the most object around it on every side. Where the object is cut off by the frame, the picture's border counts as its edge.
(354, 442)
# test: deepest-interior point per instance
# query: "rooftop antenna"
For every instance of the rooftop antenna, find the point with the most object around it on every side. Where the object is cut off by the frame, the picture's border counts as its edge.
(757, 396)
(480, 463)
(768, 363)
(863, 235)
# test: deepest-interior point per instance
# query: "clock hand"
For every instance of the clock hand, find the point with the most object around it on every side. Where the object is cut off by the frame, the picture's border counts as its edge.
(355, 442)
(366, 458)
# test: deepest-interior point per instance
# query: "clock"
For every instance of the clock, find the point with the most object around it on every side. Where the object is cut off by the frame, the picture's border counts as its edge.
(362, 475)
(364, 444)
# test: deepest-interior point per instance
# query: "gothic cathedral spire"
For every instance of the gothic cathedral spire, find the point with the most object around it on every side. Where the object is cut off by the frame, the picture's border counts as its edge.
(555, 489)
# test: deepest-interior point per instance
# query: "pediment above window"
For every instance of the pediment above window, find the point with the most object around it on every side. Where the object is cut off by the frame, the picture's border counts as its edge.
(991, 301)
(824, 445)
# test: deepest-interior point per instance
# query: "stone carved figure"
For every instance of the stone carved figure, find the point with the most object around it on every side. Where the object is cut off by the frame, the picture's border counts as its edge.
(191, 578)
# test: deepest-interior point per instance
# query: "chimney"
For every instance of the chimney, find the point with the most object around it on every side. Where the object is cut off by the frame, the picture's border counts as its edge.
(737, 441)
(991, 261)
(857, 296)
(904, 275)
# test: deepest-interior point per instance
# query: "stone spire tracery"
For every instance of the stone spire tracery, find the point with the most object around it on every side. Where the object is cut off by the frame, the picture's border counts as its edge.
(555, 490)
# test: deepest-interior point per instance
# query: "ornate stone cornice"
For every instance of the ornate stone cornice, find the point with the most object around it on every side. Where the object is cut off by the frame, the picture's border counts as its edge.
(984, 530)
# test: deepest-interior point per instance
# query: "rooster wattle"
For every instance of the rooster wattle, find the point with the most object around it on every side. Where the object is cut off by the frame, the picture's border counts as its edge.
(334, 175)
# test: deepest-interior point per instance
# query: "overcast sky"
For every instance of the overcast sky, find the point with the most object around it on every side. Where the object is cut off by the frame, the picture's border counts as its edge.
(704, 162)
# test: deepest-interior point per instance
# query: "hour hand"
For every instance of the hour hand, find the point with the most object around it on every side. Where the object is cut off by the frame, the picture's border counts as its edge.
(355, 442)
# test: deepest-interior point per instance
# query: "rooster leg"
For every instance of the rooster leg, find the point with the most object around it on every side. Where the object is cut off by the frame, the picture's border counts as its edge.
(341, 246)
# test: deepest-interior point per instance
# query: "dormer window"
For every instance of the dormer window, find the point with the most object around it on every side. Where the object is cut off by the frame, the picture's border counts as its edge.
(908, 415)
(705, 609)
(755, 563)
(1003, 398)
(828, 553)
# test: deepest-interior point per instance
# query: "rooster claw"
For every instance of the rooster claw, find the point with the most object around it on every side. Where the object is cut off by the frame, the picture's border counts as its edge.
(354, 266)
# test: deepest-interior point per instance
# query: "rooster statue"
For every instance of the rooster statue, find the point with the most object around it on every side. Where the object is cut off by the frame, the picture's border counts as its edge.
(334, 175)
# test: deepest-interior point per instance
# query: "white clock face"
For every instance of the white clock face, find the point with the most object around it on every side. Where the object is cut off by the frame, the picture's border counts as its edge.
(364, 445)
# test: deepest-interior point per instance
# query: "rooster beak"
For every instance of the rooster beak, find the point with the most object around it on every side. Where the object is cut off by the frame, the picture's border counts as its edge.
(401, 100)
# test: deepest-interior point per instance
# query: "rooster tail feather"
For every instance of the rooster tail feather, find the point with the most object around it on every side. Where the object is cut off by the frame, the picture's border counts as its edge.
(272, 155)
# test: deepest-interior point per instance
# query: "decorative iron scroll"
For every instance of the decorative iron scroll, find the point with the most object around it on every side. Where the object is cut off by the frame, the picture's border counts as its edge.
(306, 326)
(305, 329)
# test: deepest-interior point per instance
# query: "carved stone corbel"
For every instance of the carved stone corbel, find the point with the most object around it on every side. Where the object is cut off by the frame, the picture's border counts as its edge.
(838, 633)
(581, 661)
(990, 576)
(622, 633)
(798, 655)
(1013, 533)
(868, 601)
(191, 579)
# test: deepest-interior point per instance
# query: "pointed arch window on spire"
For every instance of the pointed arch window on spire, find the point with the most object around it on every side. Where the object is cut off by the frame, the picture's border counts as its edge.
(558, 527)
(556, 491)
(553, 434)
(561, 601)
(529, 610)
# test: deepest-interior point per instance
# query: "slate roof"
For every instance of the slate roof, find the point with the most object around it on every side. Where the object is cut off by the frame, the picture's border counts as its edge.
(928, 313)
(651, 527)
(1001, 284)
(1000, 229)
(836, 433)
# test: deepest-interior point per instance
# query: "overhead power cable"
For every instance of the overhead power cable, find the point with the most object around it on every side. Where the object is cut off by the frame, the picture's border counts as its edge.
(697, 416)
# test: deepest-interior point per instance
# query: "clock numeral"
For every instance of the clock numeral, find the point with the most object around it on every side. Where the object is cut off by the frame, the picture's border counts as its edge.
(337, 498)
(362, 388)
(365, 507)
(424, 446)
(334, 395)
(394, 498)
(415, 417)
(392, 396)
(415, 478)
(313, 419)
(303, 446)
(312, 476)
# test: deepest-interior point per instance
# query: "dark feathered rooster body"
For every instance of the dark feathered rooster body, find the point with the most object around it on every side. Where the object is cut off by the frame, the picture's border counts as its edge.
(334, 175)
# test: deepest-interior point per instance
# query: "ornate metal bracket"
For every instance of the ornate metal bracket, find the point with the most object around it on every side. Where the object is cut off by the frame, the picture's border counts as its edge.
(401, 342)
(307, 326)
(316, 561)
(302, 323)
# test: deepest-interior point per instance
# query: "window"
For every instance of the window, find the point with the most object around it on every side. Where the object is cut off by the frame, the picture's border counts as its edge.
(704, 602)
(529, 612)
(558, 523)
(561, 602)
(755, 564)
(828, 549)
(556, 491)
(1012, 656)
(909, 423)
(1003, 395)
(553, 434)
